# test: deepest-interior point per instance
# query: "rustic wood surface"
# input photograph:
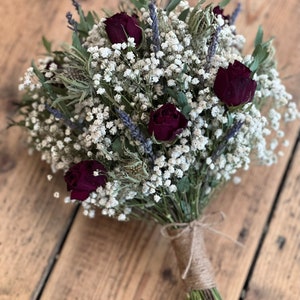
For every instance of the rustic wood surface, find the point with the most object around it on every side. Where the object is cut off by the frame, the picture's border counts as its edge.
(49, 250)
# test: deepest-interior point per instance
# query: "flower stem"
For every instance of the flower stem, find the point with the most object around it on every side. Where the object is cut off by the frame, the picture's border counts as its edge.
(211, 294)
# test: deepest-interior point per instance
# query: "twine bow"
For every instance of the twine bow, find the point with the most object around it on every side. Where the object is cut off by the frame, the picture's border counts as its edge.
(190, 227)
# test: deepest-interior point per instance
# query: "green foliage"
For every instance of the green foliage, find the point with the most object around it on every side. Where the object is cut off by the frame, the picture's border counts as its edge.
(172, 5)
(212, 294)
(183, 184)
(183, 16)
(139, 4)
(262, 54)
(117, 145)
(181, 99)
(223, 3)
(201, 22)
(86, 23)
(259, 37)
(47, 44)
(76, 43)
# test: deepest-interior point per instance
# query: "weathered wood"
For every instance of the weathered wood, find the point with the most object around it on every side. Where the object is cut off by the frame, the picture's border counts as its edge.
(105, 259)
(143, 273)
(277, 272)
(32, 223)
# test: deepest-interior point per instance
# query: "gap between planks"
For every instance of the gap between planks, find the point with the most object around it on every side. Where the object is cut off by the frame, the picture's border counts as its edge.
(38, 291)
(269, 219)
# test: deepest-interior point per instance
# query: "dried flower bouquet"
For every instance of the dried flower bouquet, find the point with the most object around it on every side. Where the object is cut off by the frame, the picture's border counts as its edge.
(150, 111)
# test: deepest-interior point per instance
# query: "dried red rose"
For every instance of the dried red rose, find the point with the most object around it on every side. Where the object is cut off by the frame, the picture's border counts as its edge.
(217, 10)
(166, 122)
(121, 26)
(84, 178)
(234, 85)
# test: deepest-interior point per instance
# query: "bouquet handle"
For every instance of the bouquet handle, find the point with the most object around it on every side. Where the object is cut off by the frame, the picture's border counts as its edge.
(193, 263)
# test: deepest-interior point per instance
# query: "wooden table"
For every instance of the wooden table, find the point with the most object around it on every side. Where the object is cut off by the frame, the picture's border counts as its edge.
(49, 250)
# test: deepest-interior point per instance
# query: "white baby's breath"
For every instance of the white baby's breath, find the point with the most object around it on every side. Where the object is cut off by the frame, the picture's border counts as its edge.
(144, 172)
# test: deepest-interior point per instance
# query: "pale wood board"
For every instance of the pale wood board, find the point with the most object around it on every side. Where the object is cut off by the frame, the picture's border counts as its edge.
(277, 272)
(32, 223)
(101, 258)
(251, 198)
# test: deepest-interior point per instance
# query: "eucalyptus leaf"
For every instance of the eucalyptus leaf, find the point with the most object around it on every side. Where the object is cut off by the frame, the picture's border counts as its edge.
(260, 54)
(186, 208)
(184, 14)
(183, 184)
(259, 36)
(181, 99)
(172, 93)
(172, 5)
(140, 3)
(223, 3)
(230, 119)
(117, 145)
(186, 110)
(47, 44)
(76, 43)
(90, 19)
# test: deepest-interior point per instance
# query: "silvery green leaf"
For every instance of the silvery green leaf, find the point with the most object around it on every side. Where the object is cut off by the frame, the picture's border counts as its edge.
(223, 3)
(259, 36)
(172, 5)
(184, 14)
(183, 184)
(47, 44)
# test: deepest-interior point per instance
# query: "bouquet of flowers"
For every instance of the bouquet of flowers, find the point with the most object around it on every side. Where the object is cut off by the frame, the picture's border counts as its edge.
(150, 111)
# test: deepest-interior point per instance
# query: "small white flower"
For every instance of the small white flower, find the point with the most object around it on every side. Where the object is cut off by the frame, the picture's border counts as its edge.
(237, 180)
(121, 217)
(56, 195)
(105, 52)
(67, 199)
(156, 198)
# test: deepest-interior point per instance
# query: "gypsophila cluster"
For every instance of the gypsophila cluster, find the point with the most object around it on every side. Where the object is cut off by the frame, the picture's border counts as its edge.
(105, 100)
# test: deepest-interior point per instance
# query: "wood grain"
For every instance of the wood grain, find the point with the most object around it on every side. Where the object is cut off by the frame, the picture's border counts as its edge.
(277, 272)
(106, 259)
(253, 198)
(32, 224)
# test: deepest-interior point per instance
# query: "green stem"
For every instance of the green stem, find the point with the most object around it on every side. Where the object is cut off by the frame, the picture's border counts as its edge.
(211, 294)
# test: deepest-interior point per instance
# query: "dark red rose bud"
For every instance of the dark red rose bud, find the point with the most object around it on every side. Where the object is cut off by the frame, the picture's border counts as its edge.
(166, 122)
(234, 85)
(84, 178)
(219, 11)
(121, 26)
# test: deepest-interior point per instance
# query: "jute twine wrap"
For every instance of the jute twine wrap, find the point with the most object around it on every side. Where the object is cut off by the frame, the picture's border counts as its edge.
(189, 247)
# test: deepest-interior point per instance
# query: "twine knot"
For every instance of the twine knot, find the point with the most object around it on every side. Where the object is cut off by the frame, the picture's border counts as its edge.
(188, 244)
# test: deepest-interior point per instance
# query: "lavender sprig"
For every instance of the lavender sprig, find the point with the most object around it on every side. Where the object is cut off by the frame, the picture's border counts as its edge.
(155, 29)
(76, 5)
(72, 23)
(212, 47)
(136, 133)
(59, 115)
(230, 134)
(235, 14)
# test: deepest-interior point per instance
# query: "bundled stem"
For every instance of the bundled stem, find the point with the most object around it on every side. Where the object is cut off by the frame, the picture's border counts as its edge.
(210, 294)
(194, 265)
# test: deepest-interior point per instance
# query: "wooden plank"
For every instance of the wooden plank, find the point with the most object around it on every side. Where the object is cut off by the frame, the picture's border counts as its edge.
(32, 223)
(277, 272)
(144, 274)
(104, 259)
